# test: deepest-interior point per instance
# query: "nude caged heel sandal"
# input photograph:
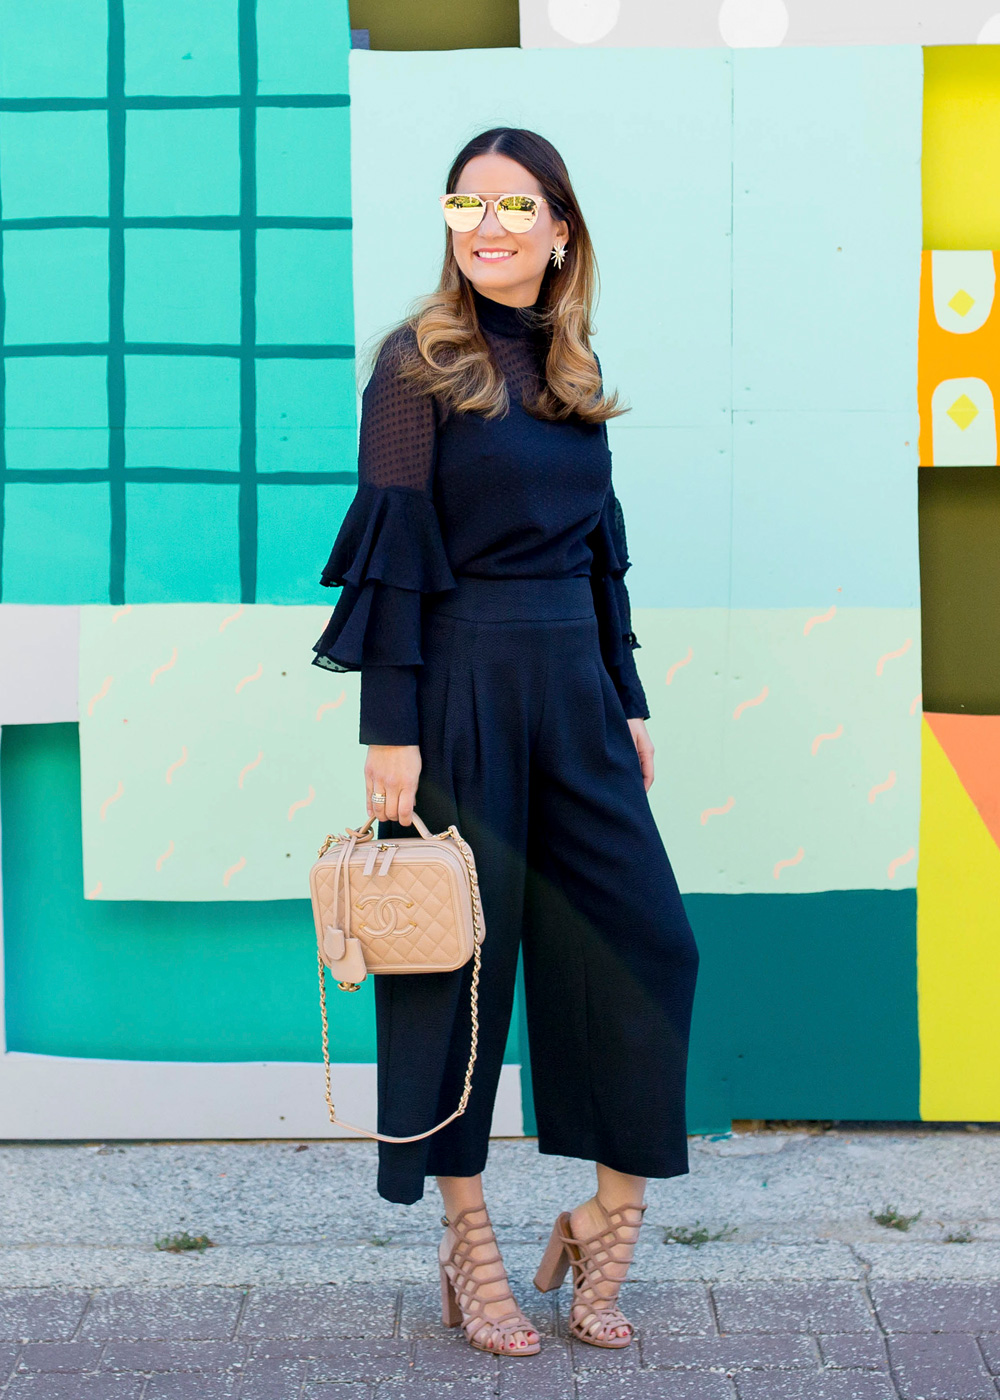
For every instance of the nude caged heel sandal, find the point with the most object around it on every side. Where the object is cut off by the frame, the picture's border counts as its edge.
(595, 1290)
(461, 1279)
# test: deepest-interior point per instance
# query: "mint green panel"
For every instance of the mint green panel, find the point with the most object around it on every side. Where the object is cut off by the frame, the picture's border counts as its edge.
(182, 285)
(303, 161)
(184, 162)
(56, 449)
(183, 542)
(58, 48)
(56, 543)
(187, 48)
(57, 391)
(302, 46)
(54, 163)
(137, 980)
(55, 284)
(294, 393)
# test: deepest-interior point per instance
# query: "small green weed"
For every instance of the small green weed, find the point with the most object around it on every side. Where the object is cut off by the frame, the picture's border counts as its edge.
(380, 1239)
(892, 1219)
(183, 1243)
(958, 1237)
(698, 1235)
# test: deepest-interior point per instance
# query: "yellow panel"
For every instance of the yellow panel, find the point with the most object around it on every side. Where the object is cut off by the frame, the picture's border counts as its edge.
(961, 150)
(958, 949)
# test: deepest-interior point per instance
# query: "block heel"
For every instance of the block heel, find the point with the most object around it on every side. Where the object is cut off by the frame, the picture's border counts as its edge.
(451, 1313)
(555, 1261)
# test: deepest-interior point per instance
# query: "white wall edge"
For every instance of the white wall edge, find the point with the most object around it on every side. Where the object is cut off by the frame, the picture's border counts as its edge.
(53, 1097)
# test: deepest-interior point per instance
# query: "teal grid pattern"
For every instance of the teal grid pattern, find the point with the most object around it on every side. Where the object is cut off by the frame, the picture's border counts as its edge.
(176, 322)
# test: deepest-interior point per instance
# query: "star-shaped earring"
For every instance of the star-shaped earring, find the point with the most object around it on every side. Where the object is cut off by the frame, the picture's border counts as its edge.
(558, 254)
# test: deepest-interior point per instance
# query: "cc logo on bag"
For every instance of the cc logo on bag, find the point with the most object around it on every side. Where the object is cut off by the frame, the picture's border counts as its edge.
(386, 913)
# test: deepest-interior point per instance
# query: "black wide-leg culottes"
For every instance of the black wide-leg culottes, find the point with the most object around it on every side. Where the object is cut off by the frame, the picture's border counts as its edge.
(526, 747)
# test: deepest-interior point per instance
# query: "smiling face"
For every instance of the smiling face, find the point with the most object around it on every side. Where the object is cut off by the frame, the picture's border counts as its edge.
(508, 267)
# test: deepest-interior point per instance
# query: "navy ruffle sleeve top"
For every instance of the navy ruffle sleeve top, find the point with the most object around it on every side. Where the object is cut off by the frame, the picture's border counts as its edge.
(443, 494)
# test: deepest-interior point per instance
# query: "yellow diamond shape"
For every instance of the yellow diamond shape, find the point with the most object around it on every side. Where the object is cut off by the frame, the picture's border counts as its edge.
(961, 302)
(963, 411)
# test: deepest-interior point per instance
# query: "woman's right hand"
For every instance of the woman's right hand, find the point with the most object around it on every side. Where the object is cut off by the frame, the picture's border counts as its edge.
(392, 769)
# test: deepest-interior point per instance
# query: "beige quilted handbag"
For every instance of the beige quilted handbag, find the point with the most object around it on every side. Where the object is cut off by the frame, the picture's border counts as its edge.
(406, 905)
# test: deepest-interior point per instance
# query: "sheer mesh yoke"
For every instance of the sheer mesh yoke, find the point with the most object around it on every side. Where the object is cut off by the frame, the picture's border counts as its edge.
(442, 494)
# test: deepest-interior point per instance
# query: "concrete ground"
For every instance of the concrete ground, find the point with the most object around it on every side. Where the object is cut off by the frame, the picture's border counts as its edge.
(314, 1287)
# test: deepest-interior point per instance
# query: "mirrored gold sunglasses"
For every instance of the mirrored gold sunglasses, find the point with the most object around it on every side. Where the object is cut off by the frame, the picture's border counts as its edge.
(515, 212)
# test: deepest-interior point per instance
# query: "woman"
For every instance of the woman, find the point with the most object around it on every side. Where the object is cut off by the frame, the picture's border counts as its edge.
(482, 565)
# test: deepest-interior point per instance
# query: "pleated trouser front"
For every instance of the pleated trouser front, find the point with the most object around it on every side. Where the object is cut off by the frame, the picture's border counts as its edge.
(525, 746)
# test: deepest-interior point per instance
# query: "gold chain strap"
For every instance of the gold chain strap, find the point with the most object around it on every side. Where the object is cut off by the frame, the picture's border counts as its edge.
(477, 924)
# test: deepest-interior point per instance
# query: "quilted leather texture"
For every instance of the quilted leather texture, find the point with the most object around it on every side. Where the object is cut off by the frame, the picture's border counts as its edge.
(415, 918)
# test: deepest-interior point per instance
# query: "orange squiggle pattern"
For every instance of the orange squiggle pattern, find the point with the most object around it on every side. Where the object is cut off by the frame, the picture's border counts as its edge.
(749, 704)
(820, 738)
(92, 894)
(165, 857)
(820, 617)
(916, 702)
(121, 612)
(113, 798)
(717, 811)
(331, 704)
(684, 661)
(178, 764)
(901, 860)
(302, 802)
(784, 864)
(166, 667)
(254, 677)
(892, 655)
(249, 767)
(882, 787)
(234, 870)
(232, 617)
(105, 687)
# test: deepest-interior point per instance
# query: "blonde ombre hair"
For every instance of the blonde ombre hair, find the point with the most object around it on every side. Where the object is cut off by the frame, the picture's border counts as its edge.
(448, 356)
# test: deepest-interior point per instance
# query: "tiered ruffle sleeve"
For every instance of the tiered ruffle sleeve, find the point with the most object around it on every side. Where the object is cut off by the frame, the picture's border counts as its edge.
(611, 603)
(388, 553)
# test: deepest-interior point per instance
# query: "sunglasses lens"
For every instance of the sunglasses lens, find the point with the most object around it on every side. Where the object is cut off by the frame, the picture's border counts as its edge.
(517, 213)
(463, 212)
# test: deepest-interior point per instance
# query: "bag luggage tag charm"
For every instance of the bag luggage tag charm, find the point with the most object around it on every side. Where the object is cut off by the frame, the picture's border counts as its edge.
(344, 957)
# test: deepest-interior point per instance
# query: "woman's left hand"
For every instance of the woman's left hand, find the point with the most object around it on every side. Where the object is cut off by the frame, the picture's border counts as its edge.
(644, 748)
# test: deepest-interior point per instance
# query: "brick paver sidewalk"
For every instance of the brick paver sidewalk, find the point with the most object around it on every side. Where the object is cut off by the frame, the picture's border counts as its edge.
(727, 1341)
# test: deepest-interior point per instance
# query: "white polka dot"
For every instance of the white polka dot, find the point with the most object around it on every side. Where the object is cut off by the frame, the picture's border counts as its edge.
(753, 24)
(990, 32)
(583, 21)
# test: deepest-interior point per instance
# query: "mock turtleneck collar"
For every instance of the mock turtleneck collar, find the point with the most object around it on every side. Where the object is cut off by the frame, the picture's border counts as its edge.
(499, 319)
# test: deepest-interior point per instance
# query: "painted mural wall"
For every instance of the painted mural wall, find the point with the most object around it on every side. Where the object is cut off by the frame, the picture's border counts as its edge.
(796, 239)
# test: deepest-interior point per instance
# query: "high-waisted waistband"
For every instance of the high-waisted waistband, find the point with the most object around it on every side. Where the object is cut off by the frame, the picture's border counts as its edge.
(516, 599)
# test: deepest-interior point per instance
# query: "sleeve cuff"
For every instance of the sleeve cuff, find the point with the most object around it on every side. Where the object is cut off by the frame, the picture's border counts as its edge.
(389, 713)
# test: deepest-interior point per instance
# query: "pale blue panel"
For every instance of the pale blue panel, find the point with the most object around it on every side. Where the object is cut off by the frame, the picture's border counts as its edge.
(675, 486)
(183, 543)
(827, 227)
(825, 510)
(295, 530)
(646, 136)
(53, 48)
(186, 48)
(55, 542)
(55, 391)
(182, 391)
(182, 163)
(302, 46)
(54, 164)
